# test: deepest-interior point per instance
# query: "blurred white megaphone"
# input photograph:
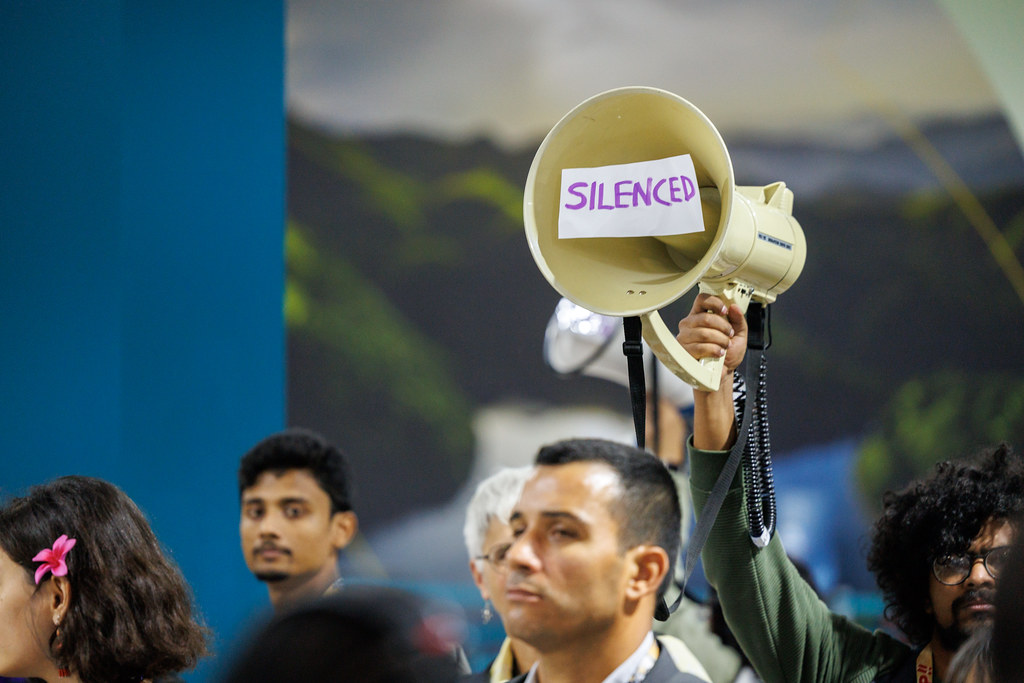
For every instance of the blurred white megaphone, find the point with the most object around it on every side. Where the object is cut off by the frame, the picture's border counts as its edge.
(751, 247)
(578, 341)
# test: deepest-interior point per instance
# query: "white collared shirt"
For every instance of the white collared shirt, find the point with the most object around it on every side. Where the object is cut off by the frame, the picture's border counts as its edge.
(633, 670)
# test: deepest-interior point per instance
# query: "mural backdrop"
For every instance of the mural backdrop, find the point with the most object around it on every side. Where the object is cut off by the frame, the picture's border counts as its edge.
(416, 314)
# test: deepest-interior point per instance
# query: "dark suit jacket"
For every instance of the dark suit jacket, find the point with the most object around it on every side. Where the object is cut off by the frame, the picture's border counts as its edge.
(664, 671)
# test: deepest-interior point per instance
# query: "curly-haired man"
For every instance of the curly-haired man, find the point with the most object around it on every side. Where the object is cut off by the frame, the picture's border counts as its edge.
(937, 550)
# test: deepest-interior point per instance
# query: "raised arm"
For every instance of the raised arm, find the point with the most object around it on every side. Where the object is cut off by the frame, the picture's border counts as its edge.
(785, 630)
(713, 330)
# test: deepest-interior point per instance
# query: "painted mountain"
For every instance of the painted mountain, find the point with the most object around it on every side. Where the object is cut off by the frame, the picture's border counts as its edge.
(413, 302)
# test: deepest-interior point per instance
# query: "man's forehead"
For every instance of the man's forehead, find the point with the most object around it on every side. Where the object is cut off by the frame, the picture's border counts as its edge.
(994, 533)
(277, 484)
(577, 485)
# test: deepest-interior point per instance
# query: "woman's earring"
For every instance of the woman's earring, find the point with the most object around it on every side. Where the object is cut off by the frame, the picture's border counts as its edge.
(58, 643)
(486, 614)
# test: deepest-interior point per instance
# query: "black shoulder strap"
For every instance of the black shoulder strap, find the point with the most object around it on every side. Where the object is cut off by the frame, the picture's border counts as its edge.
(633, 348)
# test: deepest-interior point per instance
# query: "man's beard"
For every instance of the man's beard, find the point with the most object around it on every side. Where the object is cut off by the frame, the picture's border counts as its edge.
(271, 577)
(954, 635)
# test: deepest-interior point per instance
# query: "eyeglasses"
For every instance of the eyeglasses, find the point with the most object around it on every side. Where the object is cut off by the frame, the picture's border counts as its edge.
(497, 556)
(952, 570)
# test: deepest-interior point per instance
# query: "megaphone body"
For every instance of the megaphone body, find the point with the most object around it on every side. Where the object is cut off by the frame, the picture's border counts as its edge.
(750, 248)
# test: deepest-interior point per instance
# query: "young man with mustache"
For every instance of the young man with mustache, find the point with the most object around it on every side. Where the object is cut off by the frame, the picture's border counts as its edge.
(295, 491)
(937, 550)
(594, 537)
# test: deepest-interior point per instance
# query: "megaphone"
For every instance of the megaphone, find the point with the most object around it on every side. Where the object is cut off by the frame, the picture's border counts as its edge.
(751, 247)
(578, 341)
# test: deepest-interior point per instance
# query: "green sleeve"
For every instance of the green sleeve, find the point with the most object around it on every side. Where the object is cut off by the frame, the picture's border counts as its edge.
(785, 630)
(688, 623)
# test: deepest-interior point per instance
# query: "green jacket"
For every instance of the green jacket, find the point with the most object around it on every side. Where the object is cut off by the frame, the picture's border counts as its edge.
(786, 631)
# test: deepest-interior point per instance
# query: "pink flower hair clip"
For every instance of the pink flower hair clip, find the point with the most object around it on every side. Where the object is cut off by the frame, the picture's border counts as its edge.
(53, 558)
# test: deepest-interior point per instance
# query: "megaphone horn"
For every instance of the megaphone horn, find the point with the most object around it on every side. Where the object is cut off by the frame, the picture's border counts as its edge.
(750, 247)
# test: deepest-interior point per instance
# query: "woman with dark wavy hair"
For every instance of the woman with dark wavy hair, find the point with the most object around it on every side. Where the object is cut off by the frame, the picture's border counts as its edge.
(86, 591)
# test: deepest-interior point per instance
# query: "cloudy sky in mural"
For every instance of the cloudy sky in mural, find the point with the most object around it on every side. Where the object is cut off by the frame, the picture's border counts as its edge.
(509, 69)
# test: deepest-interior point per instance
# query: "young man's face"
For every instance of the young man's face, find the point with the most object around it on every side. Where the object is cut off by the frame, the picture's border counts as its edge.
(959, 609)
(566, 571)
(288, 531)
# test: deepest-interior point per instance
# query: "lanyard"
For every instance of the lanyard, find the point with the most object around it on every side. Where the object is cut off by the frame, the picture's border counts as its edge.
(924, 666)
(646, 664)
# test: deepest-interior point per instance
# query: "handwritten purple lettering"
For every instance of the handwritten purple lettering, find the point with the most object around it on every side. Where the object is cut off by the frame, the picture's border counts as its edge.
(657, 197)
(640, 195)
(574, 189)
(673, 189)
(620, 193)
(689, 189)
(628, 193)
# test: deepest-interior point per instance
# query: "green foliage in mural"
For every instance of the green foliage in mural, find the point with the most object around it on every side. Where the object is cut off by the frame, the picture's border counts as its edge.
(413, 299)
(391, 246)
(330, 302)
(486, 185)
(407, 202)
(942, 416)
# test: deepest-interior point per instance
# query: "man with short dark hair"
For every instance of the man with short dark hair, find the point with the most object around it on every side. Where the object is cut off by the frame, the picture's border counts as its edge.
(938, 549)
(295, 491)
(595, 534)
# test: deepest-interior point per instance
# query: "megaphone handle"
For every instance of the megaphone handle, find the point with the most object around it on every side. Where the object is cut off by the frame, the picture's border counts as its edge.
(731, 293)
(705, 374)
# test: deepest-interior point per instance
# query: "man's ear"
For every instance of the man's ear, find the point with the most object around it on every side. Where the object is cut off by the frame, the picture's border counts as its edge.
(478, 579)
(58, 597)
(344, 527)
(648, 567)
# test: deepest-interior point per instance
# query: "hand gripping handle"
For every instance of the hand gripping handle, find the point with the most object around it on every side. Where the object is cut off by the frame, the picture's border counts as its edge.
(704, 374)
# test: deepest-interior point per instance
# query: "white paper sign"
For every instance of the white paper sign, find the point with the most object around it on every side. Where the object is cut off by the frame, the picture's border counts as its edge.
(642, 199)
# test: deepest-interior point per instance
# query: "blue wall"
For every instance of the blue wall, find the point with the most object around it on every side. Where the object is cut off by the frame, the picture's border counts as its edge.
(141, 269)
